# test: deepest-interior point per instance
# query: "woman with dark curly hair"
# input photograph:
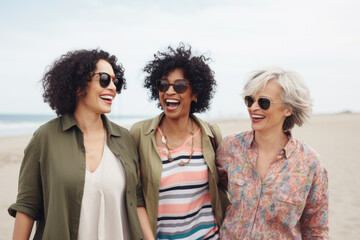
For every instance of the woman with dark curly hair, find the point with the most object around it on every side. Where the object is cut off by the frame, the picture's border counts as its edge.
(177, 159)
(79, 176)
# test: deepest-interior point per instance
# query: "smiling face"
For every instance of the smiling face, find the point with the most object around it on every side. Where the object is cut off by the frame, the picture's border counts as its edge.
(98, 99)
(272, 119)
(176, 105)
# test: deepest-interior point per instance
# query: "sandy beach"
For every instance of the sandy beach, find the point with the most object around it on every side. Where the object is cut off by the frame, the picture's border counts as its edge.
(336, 137)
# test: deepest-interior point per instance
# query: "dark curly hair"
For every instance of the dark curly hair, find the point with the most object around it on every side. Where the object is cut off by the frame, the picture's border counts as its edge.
(69, 75)
(195, 68)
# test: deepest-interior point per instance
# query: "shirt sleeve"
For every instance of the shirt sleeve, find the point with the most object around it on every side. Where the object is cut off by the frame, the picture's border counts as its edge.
(139, 192)
(222, 164)
(29, 198)
(222, 153)
(135, 132)
(314, 220)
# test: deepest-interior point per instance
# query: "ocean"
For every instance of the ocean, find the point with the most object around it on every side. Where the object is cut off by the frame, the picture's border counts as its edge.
(26, 124)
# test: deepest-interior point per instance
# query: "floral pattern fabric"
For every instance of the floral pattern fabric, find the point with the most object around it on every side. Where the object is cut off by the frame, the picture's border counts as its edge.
(290, 203)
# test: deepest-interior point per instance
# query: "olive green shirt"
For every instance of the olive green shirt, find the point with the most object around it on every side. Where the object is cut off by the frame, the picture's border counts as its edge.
(151, 167)
(52, 177)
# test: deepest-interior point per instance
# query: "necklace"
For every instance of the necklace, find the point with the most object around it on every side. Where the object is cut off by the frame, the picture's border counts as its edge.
(168, 148)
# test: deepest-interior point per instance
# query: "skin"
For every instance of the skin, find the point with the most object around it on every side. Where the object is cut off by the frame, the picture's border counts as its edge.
(23, 226)
(269, 135)
(89, 108)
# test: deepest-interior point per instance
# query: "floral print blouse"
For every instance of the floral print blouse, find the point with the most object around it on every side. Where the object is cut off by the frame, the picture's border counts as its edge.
(290, 203)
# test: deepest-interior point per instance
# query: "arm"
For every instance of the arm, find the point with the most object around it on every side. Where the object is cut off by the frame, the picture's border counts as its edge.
(23, 226)
(28, 206)
(314, 220)
(144, 222)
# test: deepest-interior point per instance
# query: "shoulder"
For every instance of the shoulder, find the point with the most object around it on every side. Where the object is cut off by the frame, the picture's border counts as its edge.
(213, 126)
(309, 156)
(43, 135)
(51, 125)
(47, 129)
(144, 124)
(238, 138)
(121, 130)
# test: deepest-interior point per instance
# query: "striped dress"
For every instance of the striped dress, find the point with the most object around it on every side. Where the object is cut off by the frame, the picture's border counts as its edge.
(185, 210)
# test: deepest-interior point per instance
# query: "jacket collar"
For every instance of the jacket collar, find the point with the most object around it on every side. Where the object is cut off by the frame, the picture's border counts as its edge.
(68, 121)
(154, 124)
(156, 121)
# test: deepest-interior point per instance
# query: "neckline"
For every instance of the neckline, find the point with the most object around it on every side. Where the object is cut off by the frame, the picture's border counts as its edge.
(101, 160)
(186, 140)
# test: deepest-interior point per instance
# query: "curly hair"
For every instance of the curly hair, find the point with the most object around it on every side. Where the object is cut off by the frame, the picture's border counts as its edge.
(195, 68)
(69, 75)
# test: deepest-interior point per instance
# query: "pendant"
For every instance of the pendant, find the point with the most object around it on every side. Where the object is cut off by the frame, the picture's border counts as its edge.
(163, 140)
(165, 151)
(170, 158)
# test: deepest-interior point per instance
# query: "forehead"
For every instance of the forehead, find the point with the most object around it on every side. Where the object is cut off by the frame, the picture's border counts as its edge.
(104, 66)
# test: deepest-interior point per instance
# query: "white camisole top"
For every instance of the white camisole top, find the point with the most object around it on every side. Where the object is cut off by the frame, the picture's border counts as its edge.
(103, 211)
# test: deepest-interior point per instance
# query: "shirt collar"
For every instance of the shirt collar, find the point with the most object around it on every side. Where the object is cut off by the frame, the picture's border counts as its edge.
(68, 121)
(290, 146)
(154, 124)
(249, 139)
(287, 150)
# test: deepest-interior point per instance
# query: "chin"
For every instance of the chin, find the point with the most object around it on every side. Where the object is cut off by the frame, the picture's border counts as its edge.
(256, 128)
(105, 111)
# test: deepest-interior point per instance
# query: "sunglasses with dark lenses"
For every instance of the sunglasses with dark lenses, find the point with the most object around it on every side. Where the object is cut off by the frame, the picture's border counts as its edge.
(106, 78)
(179, 85)
(264, 103)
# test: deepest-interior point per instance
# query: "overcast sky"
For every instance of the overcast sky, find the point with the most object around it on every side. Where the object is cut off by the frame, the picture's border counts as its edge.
(320, 39)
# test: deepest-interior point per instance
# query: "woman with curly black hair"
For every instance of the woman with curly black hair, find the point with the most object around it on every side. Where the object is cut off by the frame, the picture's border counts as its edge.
(177, 159)
(79, 176)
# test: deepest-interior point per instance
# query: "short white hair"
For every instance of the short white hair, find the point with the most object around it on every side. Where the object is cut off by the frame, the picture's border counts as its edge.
(295, 94)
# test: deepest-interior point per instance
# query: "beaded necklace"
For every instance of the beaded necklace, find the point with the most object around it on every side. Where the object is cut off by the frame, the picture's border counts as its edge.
(168, 148)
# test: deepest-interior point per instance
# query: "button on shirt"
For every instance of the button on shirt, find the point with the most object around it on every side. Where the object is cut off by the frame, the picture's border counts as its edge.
(290, 203)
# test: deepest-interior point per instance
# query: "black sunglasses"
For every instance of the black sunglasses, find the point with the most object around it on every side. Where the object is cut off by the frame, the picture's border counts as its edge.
(179, 85)
(264, 103)
(106, 78)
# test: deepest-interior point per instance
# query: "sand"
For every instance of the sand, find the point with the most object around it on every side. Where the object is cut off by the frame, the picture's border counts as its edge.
(336, 137)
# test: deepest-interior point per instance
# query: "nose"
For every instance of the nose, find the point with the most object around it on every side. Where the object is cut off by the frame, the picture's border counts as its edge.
(171, 89)
(254, 106)
(112, 85)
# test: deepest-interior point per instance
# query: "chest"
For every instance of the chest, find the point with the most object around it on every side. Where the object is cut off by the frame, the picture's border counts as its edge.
(282, 177)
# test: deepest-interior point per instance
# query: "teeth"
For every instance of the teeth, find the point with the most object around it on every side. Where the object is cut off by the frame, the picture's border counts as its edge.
(257, 116)
(171, 101)
(107, 97)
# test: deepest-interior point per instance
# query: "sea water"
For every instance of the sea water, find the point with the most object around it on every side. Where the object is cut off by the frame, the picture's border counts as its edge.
(26, 124)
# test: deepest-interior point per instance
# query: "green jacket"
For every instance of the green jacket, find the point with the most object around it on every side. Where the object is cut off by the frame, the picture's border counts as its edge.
(52, 176)
(151, 167)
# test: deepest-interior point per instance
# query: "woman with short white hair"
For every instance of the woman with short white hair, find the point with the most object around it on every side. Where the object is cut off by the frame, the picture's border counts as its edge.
(278, 185)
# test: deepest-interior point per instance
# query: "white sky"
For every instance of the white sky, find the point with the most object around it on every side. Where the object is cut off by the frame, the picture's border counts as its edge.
(320, 39)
